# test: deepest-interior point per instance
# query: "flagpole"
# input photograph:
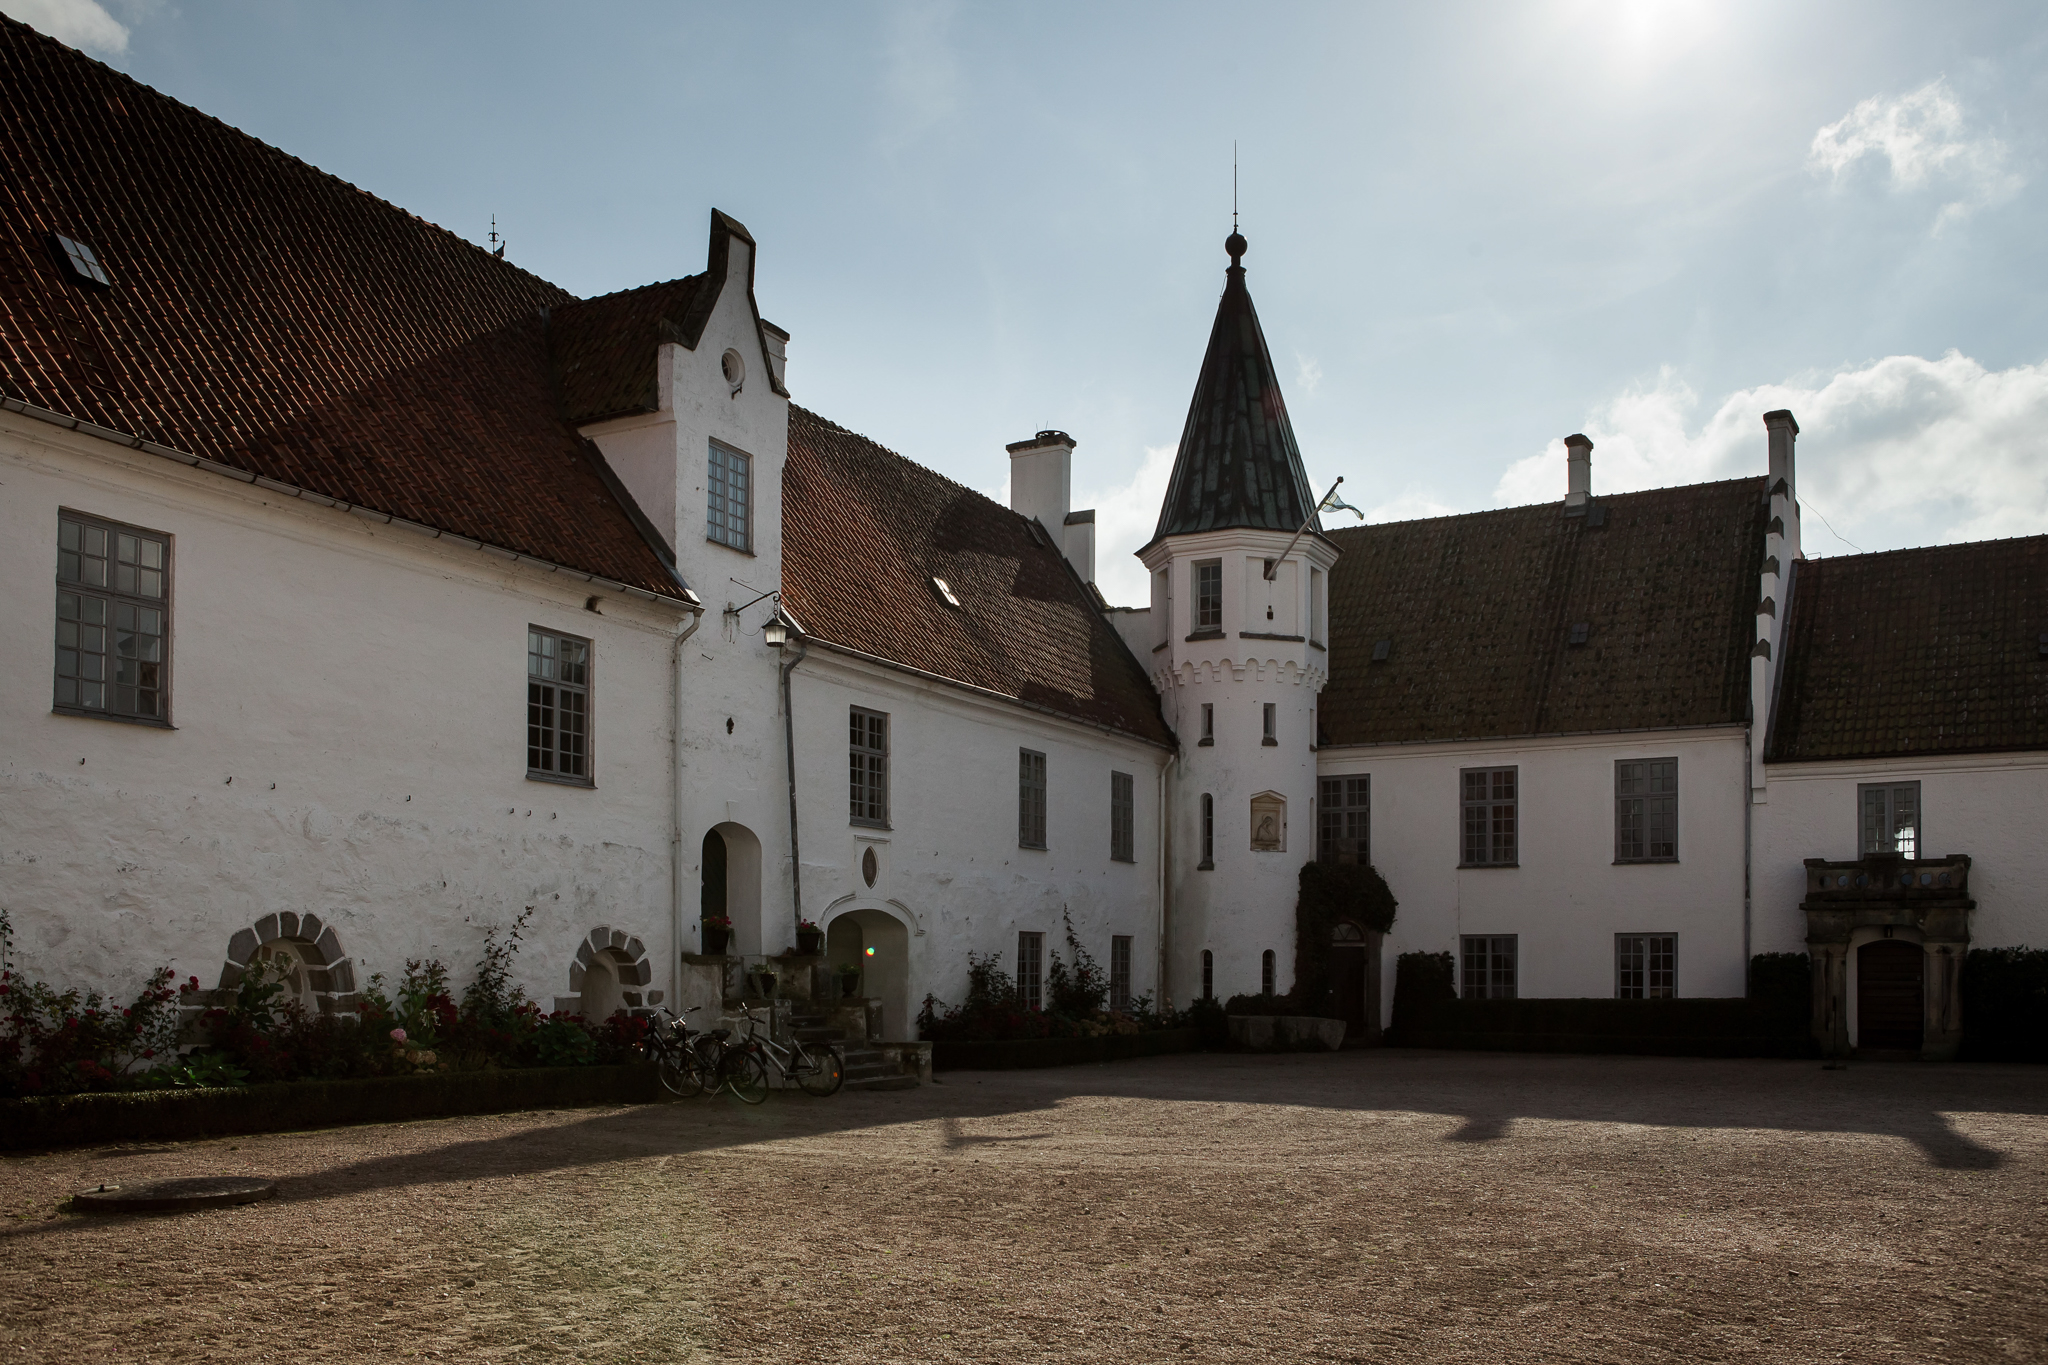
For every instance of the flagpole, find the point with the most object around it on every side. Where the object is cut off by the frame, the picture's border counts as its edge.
(1273, 566)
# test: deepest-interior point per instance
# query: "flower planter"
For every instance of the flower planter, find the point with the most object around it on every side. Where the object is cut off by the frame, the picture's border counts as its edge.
(849, 987)
(764, 984)
(810, 942)
(714, 940)
(1285, 1033)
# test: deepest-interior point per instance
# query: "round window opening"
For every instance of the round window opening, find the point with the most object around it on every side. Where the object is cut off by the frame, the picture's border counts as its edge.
(735, 368)
(869, 867)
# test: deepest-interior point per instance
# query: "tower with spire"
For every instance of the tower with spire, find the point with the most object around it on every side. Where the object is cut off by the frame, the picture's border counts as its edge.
(1241, 652)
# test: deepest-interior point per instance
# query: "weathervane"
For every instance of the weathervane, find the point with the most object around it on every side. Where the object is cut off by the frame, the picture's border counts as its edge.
(498, 244)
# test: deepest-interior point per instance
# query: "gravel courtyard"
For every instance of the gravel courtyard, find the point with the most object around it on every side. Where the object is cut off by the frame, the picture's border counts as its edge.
(1375, 1206)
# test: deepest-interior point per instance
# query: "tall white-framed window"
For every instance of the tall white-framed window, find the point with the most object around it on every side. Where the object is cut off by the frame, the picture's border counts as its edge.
(729, 498)
(1031, 971)
(1208, 600)
(1208, 725)
(1891, 818)
(1489, 966)
(1120, 971)
(113, 620)
(1123, 818)
(1646, 810)
(1269, 722)
(1344, 820)
(868, 767)
(557, 707)
(1645, 966)
(1030, 799)
(1490, 799)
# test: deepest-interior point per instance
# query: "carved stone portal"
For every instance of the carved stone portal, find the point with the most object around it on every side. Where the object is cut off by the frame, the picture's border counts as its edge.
(1269, 823)
(1926, 898)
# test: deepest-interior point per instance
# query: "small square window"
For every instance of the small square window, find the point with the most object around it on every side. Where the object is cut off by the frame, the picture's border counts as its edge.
(81, 261)
(1490, 964)
(1645, 966)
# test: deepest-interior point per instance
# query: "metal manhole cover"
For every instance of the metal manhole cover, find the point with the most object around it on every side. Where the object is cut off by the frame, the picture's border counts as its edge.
(174, 1196)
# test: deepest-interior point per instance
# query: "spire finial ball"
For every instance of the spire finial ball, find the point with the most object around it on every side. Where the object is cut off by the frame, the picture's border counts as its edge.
(1236, 245)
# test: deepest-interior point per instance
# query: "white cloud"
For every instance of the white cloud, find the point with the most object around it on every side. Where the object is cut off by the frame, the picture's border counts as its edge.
(1923, 140)
(81, 23)
(1308, 373)
(1903, 451)
(1125, 517)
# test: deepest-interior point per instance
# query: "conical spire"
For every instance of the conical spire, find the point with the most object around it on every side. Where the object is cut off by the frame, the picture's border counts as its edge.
(1238, 463)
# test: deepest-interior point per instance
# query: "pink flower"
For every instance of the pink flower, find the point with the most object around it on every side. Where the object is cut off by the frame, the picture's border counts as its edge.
(398, 1035)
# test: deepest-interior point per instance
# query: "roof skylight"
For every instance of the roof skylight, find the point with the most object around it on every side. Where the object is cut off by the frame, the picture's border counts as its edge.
(945, 593)
(82, 261)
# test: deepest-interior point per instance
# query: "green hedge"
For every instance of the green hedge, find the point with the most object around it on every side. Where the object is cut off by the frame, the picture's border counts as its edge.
(1770, 1023)
(286, 1106)
(1019, 1054)
(2005, 1005)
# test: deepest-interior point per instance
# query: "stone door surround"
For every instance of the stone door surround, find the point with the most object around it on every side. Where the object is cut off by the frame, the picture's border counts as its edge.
(1928, 898)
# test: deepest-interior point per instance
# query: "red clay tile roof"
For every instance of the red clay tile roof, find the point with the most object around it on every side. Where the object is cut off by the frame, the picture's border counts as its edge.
(272, 318)
(606, 348)
(1928, 651)
(864, 531)
(1478, 610)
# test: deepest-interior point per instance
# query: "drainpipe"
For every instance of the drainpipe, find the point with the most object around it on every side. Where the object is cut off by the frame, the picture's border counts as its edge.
(796, 865)
(1165, 886)
(1748, 816)
(675, 805)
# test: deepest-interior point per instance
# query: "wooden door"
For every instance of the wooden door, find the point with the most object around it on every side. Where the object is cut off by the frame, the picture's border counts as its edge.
(1890, 976)
(1347, 977)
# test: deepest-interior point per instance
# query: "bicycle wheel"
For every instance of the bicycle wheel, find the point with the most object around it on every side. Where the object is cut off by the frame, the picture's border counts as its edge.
(680, 1073)
(824, 1075)
(745, 1076)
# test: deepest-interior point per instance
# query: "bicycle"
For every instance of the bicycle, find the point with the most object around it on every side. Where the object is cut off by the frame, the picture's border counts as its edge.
(676, 1063)
(821, 1074)
(722, 1063)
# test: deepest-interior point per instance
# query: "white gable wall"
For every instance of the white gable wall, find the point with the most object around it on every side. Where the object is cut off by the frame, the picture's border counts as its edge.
(364, 687)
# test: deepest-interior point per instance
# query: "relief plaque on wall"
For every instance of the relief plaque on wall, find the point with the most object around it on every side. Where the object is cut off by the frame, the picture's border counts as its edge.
(1269, 823)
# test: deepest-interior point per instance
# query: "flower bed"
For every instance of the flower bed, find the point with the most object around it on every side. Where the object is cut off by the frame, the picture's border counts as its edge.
(181, 1115)
(1072, 1005)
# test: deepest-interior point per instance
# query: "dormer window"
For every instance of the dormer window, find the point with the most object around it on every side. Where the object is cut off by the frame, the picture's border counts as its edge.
(81, 261)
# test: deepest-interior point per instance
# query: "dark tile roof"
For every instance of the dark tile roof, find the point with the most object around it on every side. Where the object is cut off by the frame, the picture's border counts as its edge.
(606, 348)
(1928, 651)
(269, 317)
(1479, 611)
(864, 532)
(1238, 463)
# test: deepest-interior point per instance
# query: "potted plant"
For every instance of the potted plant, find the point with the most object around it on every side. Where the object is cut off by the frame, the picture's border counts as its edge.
(716, 931)
(764, 980)
(810, 939)
(849, 979)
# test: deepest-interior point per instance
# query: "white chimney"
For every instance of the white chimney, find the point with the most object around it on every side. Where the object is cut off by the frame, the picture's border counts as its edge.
(1079, 543)
(777, 342)
(1578, 465)
(1784, 487)
(1042, 480)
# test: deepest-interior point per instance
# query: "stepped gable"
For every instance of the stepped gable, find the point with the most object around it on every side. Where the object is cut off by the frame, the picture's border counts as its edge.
(274, 319)
(1478, 612)
(1238, 464)
(1940, 650)
(864, 532)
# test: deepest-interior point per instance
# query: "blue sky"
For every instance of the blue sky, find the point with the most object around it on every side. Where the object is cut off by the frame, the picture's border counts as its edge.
(1475, 228)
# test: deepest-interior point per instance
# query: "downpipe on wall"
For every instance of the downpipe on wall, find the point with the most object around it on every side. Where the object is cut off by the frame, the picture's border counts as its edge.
(796, 862)
(1165, 885)
(675, 807)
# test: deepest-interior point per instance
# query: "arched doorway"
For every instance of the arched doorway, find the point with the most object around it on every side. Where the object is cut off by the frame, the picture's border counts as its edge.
(729, 881)
(1891, 1009)
(610, 973)
(880, 943)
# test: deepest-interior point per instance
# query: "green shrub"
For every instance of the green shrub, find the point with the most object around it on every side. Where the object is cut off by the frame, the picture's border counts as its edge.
(1423, 984)
(2005, 1005)
(56, 1042)
(1329, 894)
